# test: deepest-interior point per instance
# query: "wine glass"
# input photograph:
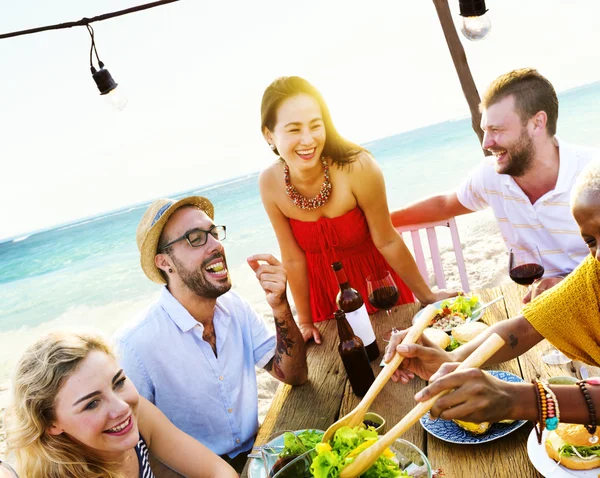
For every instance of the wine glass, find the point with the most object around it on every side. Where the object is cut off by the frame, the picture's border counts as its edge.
(383, 294)
(525, 266)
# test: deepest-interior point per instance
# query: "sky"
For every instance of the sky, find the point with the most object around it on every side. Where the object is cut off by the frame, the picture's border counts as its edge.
(194, 72)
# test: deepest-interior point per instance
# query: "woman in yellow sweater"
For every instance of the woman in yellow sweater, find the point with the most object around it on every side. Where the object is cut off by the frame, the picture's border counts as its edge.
(568, 316)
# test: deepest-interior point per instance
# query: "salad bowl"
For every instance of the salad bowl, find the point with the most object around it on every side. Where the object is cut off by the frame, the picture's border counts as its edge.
(411, 461)
(462, 305)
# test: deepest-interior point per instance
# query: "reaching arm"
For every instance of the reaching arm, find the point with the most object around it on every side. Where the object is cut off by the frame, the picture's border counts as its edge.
(368, 187)
(293, 258)
(289, 363)
(478, 397)
(518, 334)
(177, 449)
(435, 208)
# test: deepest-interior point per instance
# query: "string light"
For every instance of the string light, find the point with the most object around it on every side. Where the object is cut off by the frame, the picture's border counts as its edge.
(104, 80)
(476, 23)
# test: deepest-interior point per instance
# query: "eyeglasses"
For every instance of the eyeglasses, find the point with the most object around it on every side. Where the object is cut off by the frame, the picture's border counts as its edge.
(198, 237)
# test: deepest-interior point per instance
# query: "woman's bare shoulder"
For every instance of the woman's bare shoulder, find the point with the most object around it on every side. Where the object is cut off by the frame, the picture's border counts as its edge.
(270, 174)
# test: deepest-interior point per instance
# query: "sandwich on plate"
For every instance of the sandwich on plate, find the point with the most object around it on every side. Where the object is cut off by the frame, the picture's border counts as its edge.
(570, 445)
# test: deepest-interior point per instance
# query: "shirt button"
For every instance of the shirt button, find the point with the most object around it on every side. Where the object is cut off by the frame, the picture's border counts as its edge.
(230, 410)
(221, 377)
(237, 440)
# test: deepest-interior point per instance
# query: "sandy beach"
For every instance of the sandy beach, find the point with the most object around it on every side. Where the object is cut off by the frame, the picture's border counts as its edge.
(485, 256)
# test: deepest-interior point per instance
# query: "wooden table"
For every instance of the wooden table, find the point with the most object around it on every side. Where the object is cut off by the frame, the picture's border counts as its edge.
(327, 396)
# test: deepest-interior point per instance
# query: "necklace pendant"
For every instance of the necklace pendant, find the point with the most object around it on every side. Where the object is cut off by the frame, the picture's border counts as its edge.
(303, 202)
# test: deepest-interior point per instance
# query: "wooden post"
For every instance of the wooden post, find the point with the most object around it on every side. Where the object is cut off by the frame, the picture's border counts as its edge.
(462, 66)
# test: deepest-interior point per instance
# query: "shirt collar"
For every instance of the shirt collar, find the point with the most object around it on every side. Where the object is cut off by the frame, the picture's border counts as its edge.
(182, 318)
(567, 167)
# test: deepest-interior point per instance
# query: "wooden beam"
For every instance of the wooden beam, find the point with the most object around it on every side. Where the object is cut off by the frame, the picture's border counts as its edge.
(462, 66)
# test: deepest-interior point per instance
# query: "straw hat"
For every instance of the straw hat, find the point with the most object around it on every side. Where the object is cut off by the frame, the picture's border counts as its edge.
(151, 226)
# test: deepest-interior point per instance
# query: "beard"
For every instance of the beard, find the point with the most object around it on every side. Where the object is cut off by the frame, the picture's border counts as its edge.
(520, 157)
(196, 280)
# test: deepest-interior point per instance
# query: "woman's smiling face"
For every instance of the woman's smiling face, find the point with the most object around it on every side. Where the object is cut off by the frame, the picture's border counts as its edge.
(98, 407)
(299, 133)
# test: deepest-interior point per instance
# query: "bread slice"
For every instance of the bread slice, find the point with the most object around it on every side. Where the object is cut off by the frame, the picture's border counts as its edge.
(437, 336)
(554, 442)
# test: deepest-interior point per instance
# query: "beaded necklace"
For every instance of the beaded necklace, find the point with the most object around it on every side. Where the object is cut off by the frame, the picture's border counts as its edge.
(305, 203)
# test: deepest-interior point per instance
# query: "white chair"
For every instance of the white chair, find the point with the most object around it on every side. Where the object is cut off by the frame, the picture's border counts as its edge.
(434, 249)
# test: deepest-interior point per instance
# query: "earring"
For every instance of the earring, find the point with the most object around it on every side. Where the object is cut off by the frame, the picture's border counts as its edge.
(273, 147)
(170, 270)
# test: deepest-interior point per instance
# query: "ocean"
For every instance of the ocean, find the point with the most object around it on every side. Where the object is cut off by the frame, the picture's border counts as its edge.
(87, 274)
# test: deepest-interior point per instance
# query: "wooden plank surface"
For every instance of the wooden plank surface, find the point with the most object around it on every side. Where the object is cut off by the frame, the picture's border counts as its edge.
(505, 457)
(316, 404)
(395, 400)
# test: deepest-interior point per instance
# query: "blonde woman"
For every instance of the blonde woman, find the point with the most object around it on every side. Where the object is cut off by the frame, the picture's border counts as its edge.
(76, 415)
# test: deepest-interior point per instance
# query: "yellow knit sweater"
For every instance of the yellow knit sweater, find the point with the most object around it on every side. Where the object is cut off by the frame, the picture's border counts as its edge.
(568, 315)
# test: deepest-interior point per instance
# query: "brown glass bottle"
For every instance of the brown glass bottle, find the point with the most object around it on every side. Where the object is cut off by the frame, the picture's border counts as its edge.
(354, 357)
(350, 301)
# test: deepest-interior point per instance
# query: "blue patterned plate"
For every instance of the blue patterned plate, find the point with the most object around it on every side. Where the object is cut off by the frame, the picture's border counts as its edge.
(449, 431)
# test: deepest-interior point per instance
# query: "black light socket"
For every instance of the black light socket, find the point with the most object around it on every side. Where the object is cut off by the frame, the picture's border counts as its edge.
(104, 80)
(472, 8)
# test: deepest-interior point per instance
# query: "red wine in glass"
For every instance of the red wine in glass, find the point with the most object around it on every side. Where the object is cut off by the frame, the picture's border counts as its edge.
(383, 295)
(526, 274)
(525, 264)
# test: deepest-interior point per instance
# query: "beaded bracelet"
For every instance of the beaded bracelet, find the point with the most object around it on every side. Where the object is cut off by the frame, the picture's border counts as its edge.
(553, 409)
(591, 427)
(541, 397)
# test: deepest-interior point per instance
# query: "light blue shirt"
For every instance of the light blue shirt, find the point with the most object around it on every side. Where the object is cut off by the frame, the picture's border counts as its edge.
(213, 399)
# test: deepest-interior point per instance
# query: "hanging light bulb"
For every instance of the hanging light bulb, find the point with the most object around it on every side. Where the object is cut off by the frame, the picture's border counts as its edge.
(104, 80)
(108, 87)
(476, 24)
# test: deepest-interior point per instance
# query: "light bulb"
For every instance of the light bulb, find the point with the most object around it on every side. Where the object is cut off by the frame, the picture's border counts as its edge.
(476, 28)
(116, 99)
(108, 87)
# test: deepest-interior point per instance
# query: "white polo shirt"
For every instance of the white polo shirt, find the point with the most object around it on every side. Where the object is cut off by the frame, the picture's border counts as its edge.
(547, 223)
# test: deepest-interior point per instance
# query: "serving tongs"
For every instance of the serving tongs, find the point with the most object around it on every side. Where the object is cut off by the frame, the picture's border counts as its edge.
(365, 460)
(356, 416)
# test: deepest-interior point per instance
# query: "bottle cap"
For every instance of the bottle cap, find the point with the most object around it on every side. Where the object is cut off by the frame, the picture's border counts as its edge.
(336, 266)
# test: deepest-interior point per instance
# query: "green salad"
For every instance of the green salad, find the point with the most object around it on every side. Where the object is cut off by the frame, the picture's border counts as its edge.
(346, 444)
(461, 305)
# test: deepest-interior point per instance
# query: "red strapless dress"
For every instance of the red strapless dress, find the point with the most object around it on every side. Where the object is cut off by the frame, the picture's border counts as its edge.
(344, 238)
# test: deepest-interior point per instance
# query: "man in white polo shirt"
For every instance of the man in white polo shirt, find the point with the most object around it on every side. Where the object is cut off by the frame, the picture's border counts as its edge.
(527, 182)
(193, 353)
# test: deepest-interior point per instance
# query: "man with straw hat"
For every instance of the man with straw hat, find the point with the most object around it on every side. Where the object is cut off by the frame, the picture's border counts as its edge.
(193, 352)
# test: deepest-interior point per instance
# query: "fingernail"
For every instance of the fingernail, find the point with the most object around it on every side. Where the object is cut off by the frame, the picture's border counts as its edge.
(418, 396)
(402, 348)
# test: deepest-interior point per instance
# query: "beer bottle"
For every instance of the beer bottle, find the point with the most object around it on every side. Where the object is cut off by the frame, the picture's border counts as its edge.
(354, 356)
(350, 301)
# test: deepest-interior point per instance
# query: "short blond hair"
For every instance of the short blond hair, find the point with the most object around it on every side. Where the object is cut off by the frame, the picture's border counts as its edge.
(532, 92)
(588, 181)
(40, 373)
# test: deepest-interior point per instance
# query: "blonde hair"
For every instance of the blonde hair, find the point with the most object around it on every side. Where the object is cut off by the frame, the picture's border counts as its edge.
(588, 181)
(40, 373)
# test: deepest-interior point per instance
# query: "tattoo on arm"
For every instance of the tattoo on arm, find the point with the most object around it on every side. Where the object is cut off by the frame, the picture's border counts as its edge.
(513, 341)
(285, 343)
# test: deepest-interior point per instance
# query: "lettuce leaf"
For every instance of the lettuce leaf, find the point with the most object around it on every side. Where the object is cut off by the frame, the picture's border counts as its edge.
(346, 444)
(584, 451)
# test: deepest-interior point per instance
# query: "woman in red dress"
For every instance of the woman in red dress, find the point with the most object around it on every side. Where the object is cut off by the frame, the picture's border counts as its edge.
(326, 200)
